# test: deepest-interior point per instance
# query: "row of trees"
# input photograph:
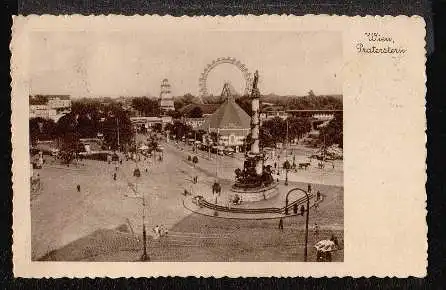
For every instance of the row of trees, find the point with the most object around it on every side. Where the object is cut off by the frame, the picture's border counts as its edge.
(333, 132)
(179, 129)
(85, 121)
(275, 130)
(146, 106)
(308, 102)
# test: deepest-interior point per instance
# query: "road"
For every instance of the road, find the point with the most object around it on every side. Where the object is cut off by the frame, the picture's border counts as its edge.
(61, 215)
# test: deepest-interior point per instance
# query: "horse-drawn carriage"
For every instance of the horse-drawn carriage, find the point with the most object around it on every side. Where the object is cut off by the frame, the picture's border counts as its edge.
(324, 249)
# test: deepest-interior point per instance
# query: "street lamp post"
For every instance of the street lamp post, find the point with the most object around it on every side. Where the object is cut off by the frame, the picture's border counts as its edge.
(286, 176)
(145, 256)
(307, 217)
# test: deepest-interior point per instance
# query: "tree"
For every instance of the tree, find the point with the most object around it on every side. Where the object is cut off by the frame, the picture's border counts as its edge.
(332, 133)
(196, 113)
(67, 131)
(188, 99)
(41, 129)
(117, 121)
(147, 107)
(297, 127)
(174, 114)
(273, 131)
(178, 129)
(313, 102)
(178, 104)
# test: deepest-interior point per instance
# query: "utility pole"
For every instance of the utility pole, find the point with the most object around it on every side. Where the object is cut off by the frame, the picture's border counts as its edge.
(286, 141)
(117, 126)
(209, 141)
(195, 142)
(306, 227)
(144, 257)
(216, 163)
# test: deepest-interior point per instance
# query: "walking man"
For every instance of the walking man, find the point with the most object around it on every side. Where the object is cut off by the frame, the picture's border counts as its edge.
(114, 176)
(309, 188)
(318, 195)
(295, 208)
(302, 210)
(78, 188)
(281, 224)
(316, 230)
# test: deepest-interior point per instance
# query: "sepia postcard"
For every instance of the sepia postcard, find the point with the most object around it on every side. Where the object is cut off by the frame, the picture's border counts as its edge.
(240, 146)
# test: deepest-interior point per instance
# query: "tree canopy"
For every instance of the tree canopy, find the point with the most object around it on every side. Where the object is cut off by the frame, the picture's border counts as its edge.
(196, 112)
(333, 132)
(147, 107)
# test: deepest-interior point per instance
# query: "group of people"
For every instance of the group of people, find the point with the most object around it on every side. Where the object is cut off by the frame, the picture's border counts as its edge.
(160, 231)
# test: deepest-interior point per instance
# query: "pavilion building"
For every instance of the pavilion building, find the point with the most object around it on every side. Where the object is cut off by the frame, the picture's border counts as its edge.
(229, 121)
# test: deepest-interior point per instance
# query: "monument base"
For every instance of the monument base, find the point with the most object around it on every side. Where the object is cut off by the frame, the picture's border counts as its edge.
(257, 193)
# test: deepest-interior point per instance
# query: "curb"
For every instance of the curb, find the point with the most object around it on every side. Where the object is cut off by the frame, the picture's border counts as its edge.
(237, 218)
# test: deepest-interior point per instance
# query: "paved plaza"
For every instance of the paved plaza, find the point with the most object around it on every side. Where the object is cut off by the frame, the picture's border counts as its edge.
(103, 222)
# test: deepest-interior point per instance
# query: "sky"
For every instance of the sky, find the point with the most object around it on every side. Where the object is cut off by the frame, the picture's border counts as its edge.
(118, 63)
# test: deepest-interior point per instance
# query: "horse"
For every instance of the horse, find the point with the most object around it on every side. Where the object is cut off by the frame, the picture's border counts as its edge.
(304, 165)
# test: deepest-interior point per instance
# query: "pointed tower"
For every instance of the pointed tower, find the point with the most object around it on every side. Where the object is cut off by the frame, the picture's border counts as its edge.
(226, 92)
(166, 99)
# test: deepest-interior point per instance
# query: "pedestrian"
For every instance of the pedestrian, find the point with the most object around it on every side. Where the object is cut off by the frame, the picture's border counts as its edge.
(281, 224)
(275, 165)
(78, 188)
(316, 230)
(114, 176)
(156, 231)
(334, 239)
(316, 206)
(318, 195)
(302, 210)
(295, 208)
(309, 188)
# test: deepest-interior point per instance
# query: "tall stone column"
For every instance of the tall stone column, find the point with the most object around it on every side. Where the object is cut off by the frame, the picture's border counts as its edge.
(255, 126)
(255, 123)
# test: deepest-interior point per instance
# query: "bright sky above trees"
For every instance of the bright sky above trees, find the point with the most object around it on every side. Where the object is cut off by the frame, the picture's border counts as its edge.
(122, 63)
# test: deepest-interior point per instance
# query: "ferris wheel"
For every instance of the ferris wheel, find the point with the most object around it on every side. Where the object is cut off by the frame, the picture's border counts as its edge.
(202, 81)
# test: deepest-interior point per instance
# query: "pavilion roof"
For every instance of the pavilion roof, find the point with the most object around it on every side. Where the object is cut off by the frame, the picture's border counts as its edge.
(228, 116)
